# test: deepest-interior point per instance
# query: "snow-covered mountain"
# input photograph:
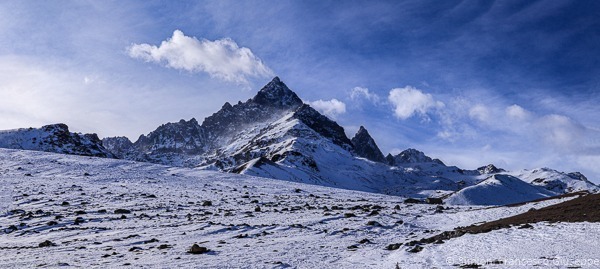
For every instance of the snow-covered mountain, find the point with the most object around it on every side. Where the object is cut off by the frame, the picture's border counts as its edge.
(54, 138)
(556, 181)
(498, 190)
(275, 135)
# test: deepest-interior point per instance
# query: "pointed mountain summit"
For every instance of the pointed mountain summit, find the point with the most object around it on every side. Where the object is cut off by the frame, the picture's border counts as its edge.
(365, 146)
(277, 94)
(231, 127)
(272, 101)
(490, 169)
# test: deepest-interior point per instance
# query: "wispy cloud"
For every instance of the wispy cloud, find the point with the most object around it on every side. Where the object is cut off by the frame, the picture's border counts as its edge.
(517, 112)
(222, 58)
(359, 93)
(331, 108)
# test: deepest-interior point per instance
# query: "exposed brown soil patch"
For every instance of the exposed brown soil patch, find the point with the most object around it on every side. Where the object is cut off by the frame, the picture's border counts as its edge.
(581, 209)
(584, 208)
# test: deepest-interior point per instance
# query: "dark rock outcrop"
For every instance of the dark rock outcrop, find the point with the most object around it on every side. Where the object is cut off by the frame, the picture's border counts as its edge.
(120, 146)
(180, 137)
(365, 146)
(411, 156)
(490, 169)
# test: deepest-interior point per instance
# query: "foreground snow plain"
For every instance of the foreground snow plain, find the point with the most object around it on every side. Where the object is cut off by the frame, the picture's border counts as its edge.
(250, 222)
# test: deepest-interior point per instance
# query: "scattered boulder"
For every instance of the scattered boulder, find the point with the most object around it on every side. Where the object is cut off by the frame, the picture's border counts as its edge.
(46, 243)
(374, 213)
(78, 220)
(373, 223)
(122, 211)
(164, 246)
(412, 201)
(434, 201)
(195, 249)
(393, 246)
(364, 241)
(416, 249)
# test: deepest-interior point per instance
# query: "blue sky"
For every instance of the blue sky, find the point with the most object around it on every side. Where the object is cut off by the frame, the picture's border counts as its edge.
(515, 83)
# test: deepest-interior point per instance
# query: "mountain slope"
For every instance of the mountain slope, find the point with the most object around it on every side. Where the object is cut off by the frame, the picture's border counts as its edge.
(555, 181)
(54, 138)
(301, 154)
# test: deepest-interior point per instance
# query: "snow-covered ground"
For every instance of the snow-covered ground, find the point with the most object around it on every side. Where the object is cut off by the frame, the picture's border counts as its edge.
(546, 245)
(250, 222)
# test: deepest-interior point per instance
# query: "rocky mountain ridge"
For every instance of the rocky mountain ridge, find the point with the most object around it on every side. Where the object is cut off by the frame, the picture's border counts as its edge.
(54, 138)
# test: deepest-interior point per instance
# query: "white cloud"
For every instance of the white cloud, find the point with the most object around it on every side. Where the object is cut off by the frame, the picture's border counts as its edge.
(331, 108)
(517, 112)
(222, 58)
(360, 93)
(409, 101)
(480, 113)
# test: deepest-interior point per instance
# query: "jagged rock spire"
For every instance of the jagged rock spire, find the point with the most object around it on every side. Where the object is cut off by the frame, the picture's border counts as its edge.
(365, 146)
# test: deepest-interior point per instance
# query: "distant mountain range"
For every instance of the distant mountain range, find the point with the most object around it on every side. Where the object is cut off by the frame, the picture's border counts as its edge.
(275, 135)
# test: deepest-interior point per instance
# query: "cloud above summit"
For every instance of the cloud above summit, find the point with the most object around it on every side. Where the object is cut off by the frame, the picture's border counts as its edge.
(409, 101)
(222, 58)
